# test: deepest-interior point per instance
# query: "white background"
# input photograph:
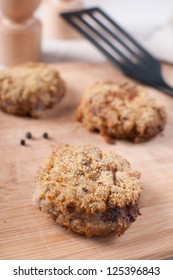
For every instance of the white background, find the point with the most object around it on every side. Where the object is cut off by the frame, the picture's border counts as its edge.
(165, 268)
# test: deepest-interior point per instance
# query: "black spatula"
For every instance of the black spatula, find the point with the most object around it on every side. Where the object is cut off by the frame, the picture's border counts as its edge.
(118, 46)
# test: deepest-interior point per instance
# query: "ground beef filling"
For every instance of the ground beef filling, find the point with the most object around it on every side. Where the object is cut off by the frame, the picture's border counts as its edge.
(128, 213)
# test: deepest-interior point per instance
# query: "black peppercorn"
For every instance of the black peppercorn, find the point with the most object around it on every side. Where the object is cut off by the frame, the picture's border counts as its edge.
(28, 135)
(22, 142)
(45, 135)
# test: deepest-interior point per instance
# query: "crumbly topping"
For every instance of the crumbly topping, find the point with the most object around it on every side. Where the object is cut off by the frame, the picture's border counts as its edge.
(83, 179)
(121, 111)
(30, 88)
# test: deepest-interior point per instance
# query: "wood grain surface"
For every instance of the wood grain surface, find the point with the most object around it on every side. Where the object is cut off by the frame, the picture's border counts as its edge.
(25, 233)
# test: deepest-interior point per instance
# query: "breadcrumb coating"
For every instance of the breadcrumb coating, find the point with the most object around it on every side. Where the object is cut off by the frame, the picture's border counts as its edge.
(87, 190)
(121, 111)
(30, 88)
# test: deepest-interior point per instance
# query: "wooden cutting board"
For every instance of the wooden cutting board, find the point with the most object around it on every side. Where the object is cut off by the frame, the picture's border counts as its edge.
(25, 233)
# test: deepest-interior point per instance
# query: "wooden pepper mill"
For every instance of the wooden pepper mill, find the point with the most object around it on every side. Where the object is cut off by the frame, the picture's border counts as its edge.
(20, 33)
(55, 27)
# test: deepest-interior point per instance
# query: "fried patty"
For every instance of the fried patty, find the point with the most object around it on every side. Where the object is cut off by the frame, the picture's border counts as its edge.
(87, 190)
(121, 111)
(30, 88)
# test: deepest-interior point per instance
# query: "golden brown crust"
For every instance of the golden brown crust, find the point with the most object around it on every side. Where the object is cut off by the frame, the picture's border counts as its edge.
(121, 112)
(30, 88)
(83, 189)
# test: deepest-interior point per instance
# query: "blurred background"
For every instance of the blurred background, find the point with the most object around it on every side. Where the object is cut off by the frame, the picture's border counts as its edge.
(150, 21)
